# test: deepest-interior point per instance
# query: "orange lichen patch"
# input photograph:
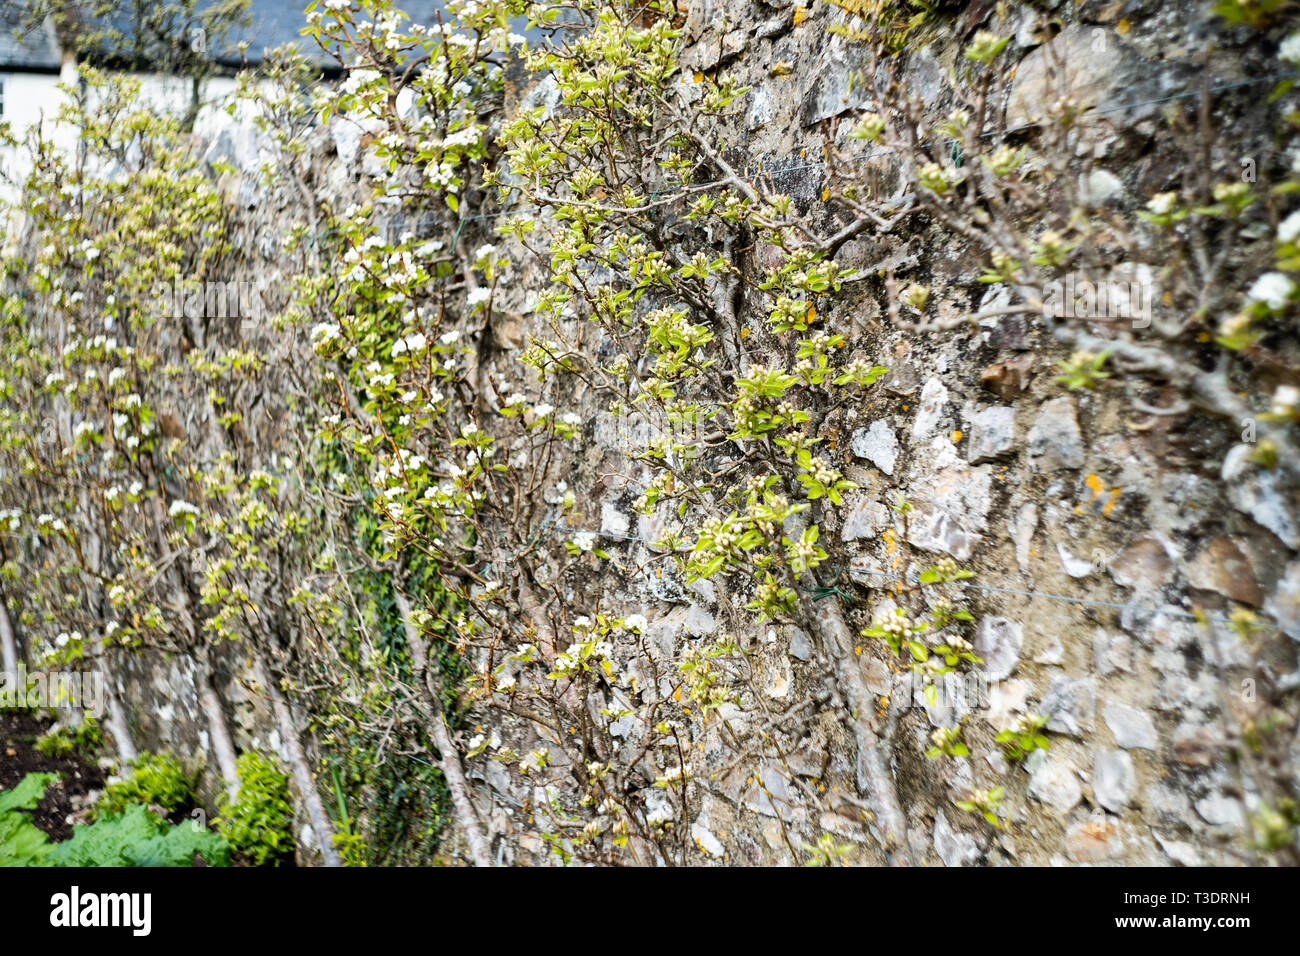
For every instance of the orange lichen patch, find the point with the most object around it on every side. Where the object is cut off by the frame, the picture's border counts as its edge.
(1123, 27)
(956, 436)
(812, 313)
(1099, 490)
(826, 194)
(800, 15)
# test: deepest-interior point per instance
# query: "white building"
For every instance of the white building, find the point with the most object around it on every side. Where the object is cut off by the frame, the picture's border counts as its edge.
(33, 67)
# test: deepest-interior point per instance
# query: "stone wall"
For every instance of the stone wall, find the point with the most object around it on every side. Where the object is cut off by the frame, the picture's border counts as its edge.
(1096, 530)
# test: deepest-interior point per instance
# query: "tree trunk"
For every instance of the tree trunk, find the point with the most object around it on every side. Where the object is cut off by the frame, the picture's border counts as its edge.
(449, 758)
(302, 775)
(874, 779)
(223, 747)
(117, 725)
(8, 643)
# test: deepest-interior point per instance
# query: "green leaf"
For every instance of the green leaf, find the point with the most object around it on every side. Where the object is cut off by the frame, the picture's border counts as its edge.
(138, 838)
(29, 792)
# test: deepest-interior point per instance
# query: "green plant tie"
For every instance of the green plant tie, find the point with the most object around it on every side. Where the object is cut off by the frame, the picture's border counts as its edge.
(825, 591)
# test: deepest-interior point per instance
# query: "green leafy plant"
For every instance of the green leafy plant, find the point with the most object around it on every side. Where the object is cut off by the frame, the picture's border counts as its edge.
(1275, 827)
(258, 822)
(987, 803)
(64, 741)
(154, 779)
(134, 837)
(1083, 370)
(1017, 742)
(947, 743)
(22, 843)
(825, 852)
(138, 837)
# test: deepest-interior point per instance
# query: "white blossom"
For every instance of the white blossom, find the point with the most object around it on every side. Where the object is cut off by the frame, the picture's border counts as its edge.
(1290, 49)
(1289, 230)
(1273, 289)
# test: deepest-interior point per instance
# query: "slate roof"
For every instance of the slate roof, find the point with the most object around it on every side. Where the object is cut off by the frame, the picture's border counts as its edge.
(26, 49)
(271, 24)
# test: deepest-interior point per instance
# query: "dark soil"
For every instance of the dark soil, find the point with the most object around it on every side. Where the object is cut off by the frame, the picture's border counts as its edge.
(19, 731)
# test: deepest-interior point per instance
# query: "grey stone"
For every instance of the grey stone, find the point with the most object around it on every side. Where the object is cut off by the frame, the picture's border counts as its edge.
(1055, 783)
(775, 801)
(1284, 603)
(1221, 810)
(1054, 441)
(954, 848)
(998, 641)
(1256, 492)
(934, 401)
(1074, 567)
(705, 840)
(1053, 653)
(903, 379)
(1184, 854)
(1113, 779)
(347, 139)
(878, 444)
(612, 519)
(1169, 805)
(1145, 564)
(1070, 64)
(863, 518)
(951, 500)
(1099, 187)
(1132, 727)
(992, 433)
(1022, 527)
(760, 108)
(829, 91)
(1112, 652)
(1069, 705)
(699, 622)
(800, 646)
